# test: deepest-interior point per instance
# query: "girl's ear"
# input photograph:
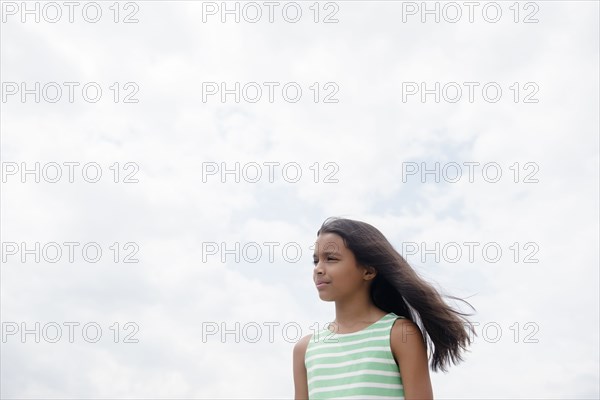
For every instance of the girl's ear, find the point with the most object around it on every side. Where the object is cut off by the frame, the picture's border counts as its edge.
(369, 273)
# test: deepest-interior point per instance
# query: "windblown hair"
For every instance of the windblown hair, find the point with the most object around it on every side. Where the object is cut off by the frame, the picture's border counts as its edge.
(399, 289)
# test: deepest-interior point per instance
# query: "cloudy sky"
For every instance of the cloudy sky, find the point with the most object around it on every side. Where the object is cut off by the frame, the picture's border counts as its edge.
(166, 165)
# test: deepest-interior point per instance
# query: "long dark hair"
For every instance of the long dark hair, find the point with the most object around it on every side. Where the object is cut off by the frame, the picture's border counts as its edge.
(399, 289)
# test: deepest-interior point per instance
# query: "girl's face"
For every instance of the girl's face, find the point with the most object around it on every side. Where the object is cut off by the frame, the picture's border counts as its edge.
(337, 274)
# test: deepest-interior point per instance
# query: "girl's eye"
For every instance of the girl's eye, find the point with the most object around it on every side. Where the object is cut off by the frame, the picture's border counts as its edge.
(315, 262)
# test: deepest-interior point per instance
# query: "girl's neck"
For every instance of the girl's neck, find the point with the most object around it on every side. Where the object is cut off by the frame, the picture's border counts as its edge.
(355, 313)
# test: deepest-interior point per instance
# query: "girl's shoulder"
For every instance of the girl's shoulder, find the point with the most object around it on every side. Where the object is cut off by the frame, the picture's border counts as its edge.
(403, 330)
(301, 345)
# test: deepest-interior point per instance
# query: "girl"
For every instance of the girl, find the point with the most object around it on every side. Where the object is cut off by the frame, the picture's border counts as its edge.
(374, 349)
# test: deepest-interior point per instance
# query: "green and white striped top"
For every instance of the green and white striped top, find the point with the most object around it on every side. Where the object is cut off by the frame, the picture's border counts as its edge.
(358, 365)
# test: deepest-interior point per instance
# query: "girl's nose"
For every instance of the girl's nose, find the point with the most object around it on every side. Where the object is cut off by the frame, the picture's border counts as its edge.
(318, 269)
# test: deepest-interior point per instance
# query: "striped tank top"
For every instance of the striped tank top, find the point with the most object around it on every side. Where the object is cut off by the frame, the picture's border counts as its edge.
(358, 365)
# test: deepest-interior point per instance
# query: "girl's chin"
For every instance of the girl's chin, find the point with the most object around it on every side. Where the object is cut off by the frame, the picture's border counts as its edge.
(325, 297)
